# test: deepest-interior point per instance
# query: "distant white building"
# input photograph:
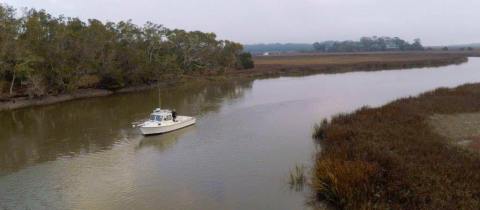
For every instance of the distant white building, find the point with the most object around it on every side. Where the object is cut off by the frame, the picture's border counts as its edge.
(266, 53)
(389, 45)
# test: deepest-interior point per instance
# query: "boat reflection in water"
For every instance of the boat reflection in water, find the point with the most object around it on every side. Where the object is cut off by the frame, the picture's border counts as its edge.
(164, 141)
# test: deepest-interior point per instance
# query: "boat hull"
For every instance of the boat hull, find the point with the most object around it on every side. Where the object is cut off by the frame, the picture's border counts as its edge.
(182, 122)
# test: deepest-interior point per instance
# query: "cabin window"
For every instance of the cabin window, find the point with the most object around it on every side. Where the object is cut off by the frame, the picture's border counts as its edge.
(158, 118)
(152, 117)
(168, 117)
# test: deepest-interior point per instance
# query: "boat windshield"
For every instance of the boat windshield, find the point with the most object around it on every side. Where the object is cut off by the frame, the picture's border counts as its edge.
(155, 118)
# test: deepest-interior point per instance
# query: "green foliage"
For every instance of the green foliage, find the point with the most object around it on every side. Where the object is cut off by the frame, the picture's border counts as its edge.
(367, 44)
(3, 86)
(246, 61)
(88, 81)
(58, 52)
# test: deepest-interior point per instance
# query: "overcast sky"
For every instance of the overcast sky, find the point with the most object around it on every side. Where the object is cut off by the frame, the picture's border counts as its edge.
(436, 22)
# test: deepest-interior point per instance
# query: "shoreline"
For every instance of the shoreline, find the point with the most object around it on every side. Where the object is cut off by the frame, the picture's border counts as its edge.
(24, 102)
(262, 70)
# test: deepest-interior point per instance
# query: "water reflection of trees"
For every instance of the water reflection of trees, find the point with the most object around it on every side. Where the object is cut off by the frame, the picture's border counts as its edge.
(35, 135)
(199, 98)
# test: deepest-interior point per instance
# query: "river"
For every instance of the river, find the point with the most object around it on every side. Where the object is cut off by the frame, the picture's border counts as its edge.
(84, 154)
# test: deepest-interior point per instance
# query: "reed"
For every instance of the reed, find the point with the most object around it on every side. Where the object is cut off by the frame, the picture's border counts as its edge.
(297, 178)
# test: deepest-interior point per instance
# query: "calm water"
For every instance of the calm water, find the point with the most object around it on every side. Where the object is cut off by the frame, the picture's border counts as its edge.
(85, 155)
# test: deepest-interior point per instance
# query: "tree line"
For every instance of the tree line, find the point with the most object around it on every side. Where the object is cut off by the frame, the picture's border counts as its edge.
(41, 54)
(279, 47)
(368, 44)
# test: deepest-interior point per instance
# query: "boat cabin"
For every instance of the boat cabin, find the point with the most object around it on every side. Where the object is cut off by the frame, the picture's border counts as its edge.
(159, 115)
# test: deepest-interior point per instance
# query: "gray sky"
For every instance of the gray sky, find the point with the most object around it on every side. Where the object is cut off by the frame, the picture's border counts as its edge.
(436, 22)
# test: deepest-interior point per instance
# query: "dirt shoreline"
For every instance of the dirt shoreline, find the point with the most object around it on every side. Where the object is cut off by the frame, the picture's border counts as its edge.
(285, 66)
(23, 102)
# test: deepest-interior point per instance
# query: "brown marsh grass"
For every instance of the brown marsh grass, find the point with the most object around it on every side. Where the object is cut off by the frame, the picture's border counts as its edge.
(306, 59)
(306, 64)
(391, 158)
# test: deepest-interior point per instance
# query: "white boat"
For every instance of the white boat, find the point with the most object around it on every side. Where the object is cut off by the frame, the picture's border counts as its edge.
(161, 121)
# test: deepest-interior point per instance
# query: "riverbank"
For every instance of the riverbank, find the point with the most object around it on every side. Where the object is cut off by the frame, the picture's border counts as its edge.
(395, 157)
(272, 66)
(23, 102)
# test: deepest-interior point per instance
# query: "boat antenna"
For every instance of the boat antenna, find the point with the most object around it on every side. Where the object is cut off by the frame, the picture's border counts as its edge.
(159, 95)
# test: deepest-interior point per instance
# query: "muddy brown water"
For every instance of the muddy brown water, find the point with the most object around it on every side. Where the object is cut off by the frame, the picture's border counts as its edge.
(85, 155)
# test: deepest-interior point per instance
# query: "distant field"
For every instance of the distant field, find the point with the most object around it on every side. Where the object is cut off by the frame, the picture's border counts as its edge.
(318, 59)
(307, 64)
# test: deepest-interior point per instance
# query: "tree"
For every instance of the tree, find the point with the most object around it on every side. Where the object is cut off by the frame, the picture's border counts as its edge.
(9, 26)
(417, 44)
(24, 70)
(366, 44)
(60, 54)
(246, 61)
(319, 47)
(229, 54)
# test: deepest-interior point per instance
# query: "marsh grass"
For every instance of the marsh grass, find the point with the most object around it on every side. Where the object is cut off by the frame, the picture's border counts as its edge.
(319, 130)
(363, 59)
(309, 64)
(297, 178)
(391, 158)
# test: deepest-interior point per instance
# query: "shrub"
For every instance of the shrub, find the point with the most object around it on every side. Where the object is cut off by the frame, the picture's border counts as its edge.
(246, 61)
(88, 81)
(37, 86)
(3, 86)
(111, 82)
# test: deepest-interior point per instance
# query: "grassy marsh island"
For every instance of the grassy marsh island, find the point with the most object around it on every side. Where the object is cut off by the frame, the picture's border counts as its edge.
(396, 157)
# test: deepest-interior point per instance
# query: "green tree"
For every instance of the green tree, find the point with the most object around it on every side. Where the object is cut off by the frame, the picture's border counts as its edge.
(366, 44)
(229, 54)
(24, 70)
(9, 26)
(60, 54)
(246, 60)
